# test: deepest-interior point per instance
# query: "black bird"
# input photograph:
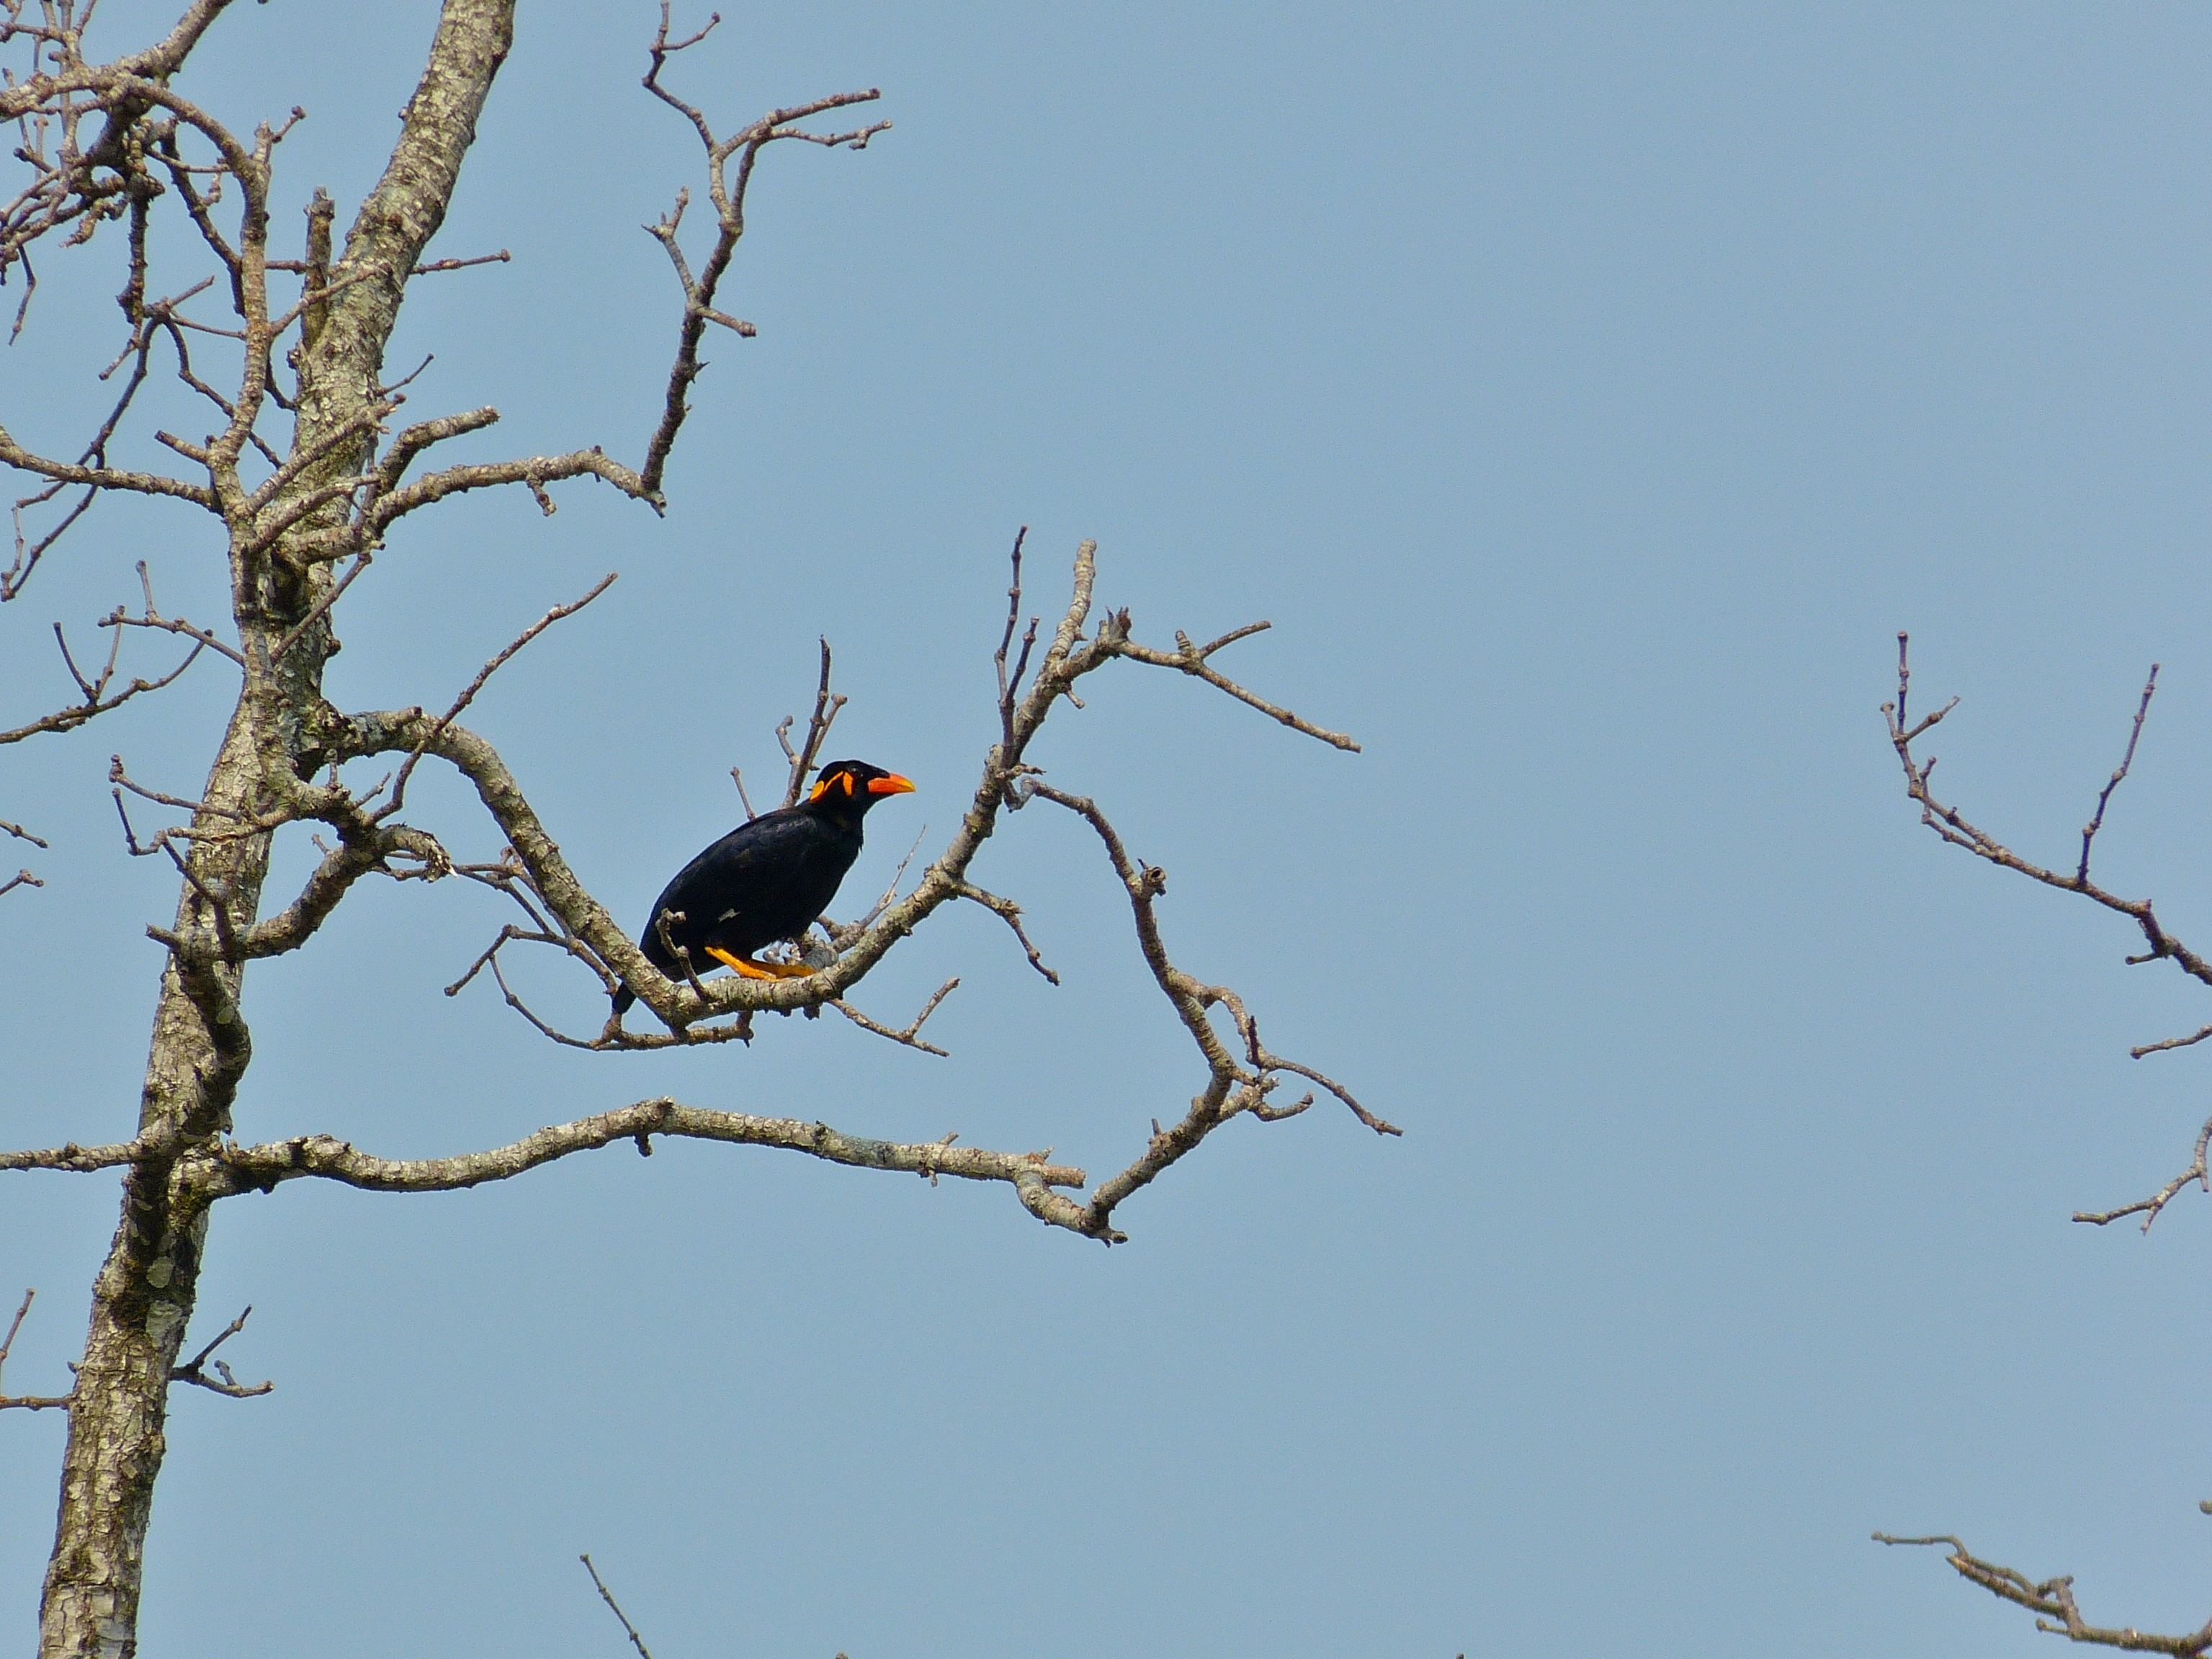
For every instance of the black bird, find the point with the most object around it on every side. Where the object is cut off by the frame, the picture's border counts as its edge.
(764, 881)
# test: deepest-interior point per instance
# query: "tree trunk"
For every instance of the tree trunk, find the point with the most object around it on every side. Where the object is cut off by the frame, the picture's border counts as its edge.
(143, 1300)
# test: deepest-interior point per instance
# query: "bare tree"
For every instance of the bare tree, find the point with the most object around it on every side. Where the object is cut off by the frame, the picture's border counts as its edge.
(301, 516)
(2052, 1599)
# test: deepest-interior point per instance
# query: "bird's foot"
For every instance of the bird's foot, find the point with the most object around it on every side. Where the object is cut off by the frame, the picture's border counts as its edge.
(770, 970)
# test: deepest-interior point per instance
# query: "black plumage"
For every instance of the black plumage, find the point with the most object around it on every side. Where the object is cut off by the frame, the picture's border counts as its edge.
(766, 880)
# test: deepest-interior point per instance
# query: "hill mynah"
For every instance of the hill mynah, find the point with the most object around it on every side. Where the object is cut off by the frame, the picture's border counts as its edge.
(766, 880)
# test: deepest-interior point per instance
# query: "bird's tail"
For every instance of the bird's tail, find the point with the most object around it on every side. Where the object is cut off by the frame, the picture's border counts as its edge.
(624, 997)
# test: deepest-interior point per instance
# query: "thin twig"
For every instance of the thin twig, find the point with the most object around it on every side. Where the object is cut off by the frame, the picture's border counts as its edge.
(728, 193)
(1010, 912)
(68, 719)
(2053, 1599)
(193, 1370)
(1952, 826)
(1010, 684)
(119, 619)
(29, 1402)
(321, 607)
(558, 612)
(436, 266)
(1192, 659)
(817, 729)
(908, 1036)
(2148, 1208)
(2190, 1040)
(607, 1595)
(2135, 735)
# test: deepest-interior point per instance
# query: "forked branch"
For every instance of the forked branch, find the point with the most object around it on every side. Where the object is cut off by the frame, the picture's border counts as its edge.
(910, 1036)
(95, 696)
(801, 759)
(28, 1402)
(1954, 828)
(2148, 1208)
(2052, 1601)
(1192, 659)
(727, 190)
(194, 1370)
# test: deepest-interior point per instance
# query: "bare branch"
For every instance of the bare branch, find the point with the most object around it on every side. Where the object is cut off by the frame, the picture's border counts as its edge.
(606, 1596)
(364, 846)
(729, 196)
(322, 606)
(117, 775)
(102, 478)
(74, 1158)
(2148, 1208)
(467, 695)
(230, 1168)
(2135, 735)
(1241, 1075)
(1952, 826)
(537, 472)
(413, 440)
(436, 266)
(1010, 912)
(29, 553)
(307, 456)
(1193, 660)
(1235, 1086)
(1067, 658)
(844, 935)
(1275, 1063)
(29, 1402)
(119, 619)
(20, 878)
(484, 961)
(817, 728)
(194, 1370)
(2053, 1599)
(2190, 1040)
(1009, 685)
(96, 701)
(908, 1036)
(146, 320)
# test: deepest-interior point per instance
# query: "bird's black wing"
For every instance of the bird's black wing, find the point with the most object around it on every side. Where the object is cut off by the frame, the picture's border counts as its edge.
(746, 870)
(764, 881)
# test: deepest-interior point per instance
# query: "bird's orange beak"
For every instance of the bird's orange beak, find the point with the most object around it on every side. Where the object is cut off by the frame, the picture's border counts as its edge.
(893, 785)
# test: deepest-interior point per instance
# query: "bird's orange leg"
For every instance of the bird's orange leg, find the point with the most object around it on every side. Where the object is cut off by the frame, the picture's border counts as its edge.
(752, 969)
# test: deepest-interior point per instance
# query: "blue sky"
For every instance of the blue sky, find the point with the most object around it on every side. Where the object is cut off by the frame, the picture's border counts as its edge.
(1588, 396)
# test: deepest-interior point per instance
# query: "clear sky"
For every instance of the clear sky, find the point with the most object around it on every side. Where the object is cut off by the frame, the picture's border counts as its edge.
(1588, 395)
